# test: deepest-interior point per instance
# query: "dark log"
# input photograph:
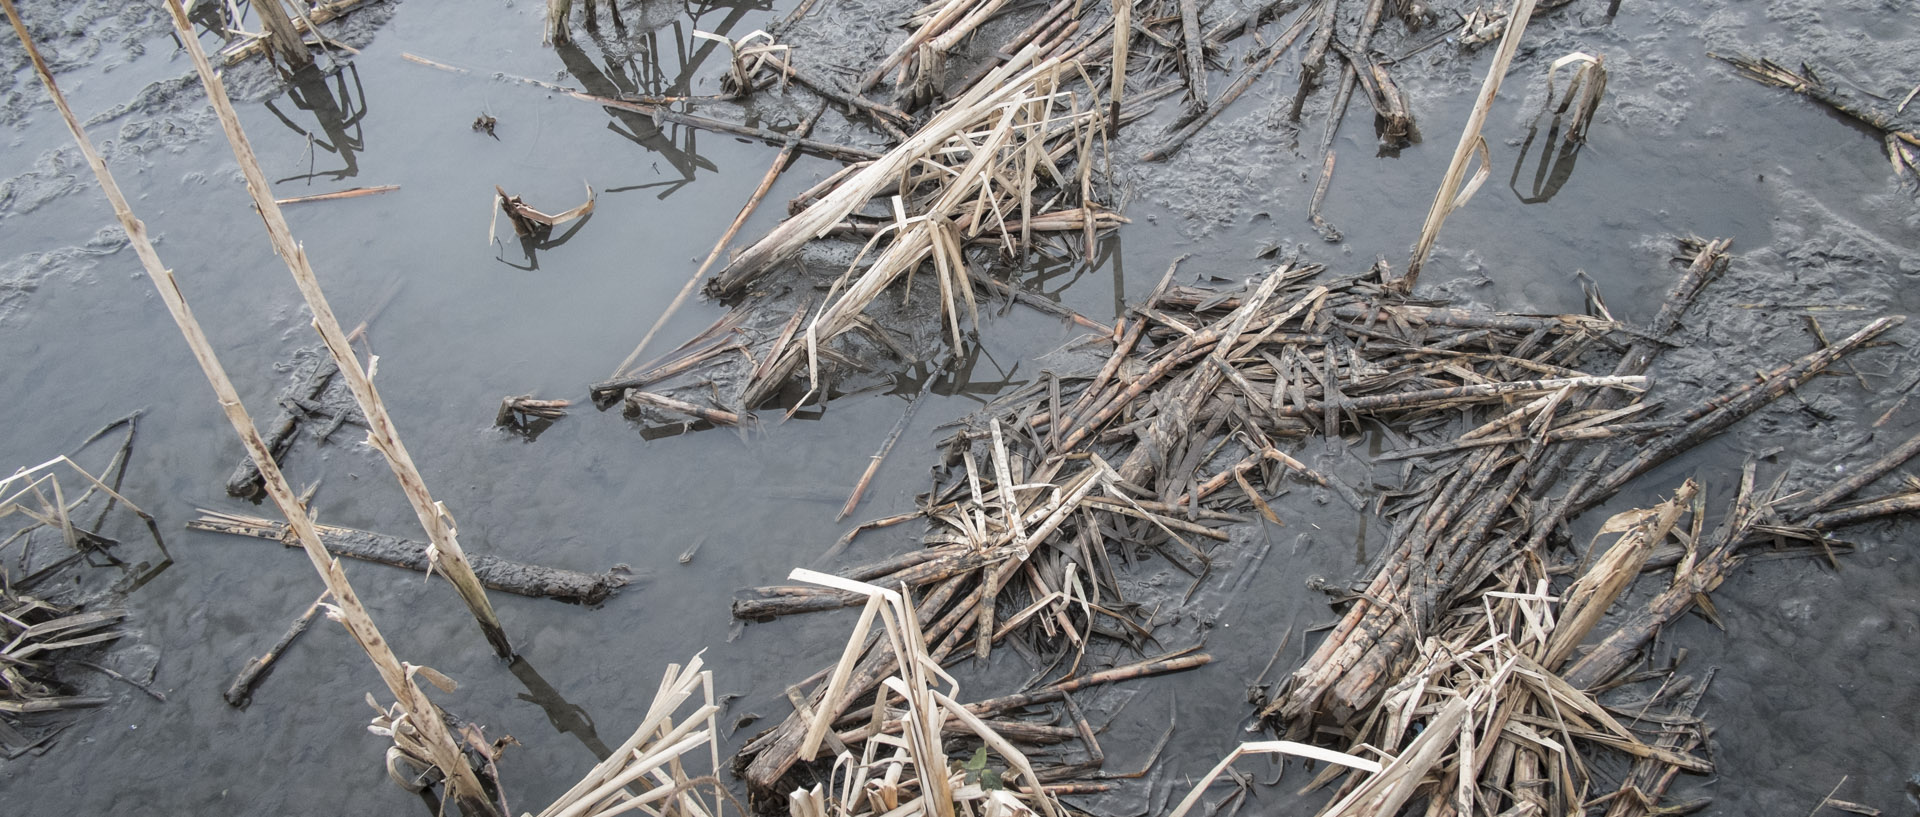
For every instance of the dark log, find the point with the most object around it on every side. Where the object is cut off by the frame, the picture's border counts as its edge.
(245, 480)
(496, 573)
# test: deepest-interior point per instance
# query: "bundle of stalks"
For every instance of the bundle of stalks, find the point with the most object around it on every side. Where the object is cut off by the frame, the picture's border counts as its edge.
(1493, 493)
(922, 59)
(939, 628)
(1898, 128)
(1011, 157)
(1500, 710)
(902, 767)
(1484, 721)
(649, 773)
(36, 498)
(1200, 412)
(1162, 442)
(37, 635)
(249, 45)
(976, 162)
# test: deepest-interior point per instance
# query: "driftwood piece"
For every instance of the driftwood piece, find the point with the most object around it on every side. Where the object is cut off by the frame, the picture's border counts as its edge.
(1194, 53)
(498, 574)
(245, 480)
(240, 692)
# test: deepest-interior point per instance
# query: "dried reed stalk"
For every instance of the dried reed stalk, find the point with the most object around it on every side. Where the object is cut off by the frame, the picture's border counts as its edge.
(304, 24)
(1011, 123)
(959, 117)
(1452, 195)
(1122, 36)
(351, 193)
(920, 727)
(780, 163)
(648, 772)
(381, 433)
(424, 716)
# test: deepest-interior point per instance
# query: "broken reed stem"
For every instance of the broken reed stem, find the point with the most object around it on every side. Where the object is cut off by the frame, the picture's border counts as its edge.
(780, 163)
(1252, 74)
(873, 464)
(1450, 196)
(1194, 52)
(350, 193)
(240, 692)
(1122, 35)
(557, 32)
(281, 35)
(381, 433)
(425, 716)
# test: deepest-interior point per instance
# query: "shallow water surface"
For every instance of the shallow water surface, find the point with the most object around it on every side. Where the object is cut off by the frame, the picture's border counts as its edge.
(1816, 679)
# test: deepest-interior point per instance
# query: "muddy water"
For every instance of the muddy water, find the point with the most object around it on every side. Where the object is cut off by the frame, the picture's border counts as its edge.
(1816, 679)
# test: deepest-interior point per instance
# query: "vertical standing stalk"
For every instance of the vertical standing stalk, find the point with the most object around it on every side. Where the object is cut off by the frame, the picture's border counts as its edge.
(423, 714)
(1451, 196)
(557, 13)
(282, 39)
(1122, 35)
(433, 516)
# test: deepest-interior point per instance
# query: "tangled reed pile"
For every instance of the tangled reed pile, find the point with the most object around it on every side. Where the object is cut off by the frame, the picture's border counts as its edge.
(1207, 403)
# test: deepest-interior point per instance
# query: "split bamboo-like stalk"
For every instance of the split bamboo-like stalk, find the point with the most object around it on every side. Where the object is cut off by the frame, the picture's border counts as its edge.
(381, 432)
(281, 35)
(302, 26)
(350, 193)
(649, 761)
(425, 716)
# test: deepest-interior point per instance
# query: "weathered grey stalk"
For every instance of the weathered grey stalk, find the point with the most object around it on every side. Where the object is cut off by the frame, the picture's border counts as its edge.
(282, 37)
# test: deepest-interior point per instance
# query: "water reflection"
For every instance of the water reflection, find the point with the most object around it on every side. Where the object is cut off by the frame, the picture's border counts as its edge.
(635, 66)
(959, 376)
(337, 108)
(1557, 157)
(531, 244)
(567, 718)
(619, 73)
